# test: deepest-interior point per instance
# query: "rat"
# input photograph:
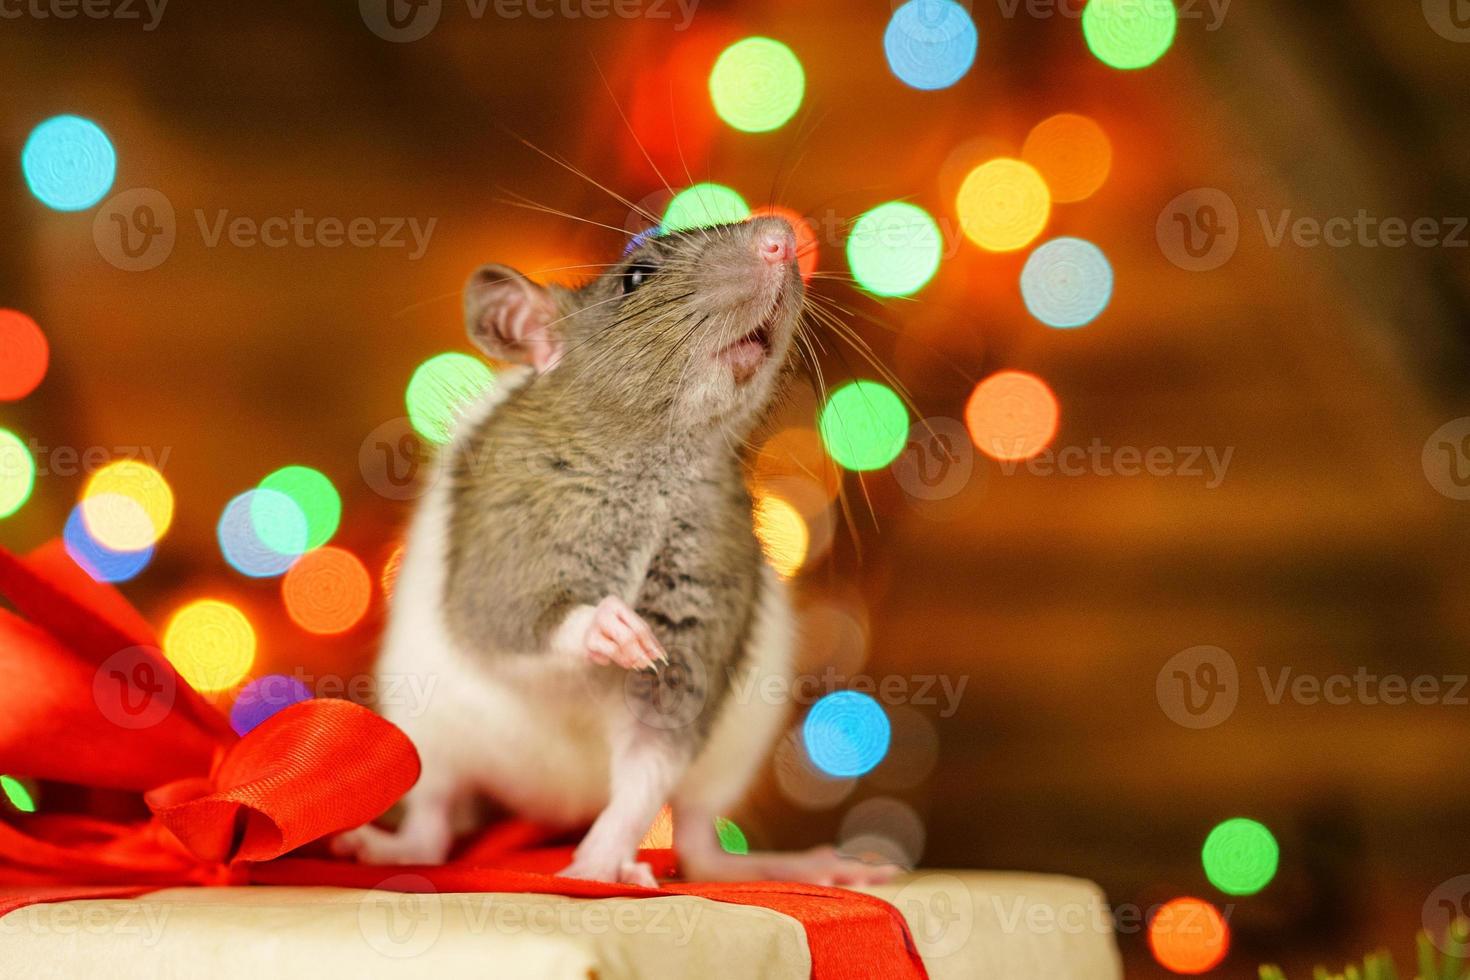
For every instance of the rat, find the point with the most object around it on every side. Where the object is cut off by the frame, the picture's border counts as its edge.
(583, 581)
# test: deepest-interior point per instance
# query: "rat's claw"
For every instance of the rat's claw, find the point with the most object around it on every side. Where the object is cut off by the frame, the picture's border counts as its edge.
(619, 635)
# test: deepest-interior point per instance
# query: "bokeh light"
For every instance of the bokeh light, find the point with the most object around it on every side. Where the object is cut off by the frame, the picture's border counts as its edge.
(732, 838)
(783, 534)
(24, 355)
(127, 505)
(317, 499)
(757, 84)
(69, 163)
(441, 388)
(17, 473)
(1188, 936)
(801, 782)
(1067, 282)
(1003, 205)
(1072, 154)
(882, 828)
(279, 519)
(660, 834)
(846, 734)
(263, 697)
(391, 568)
(211, 644)
(101, 563)
(1012, 415)
(327, 592)
(894, 249)
(703, 206)
(797, 453)
(1129, 34)
(16, 792)
(864, 425)
(808, 251)
(913, 750)
(1240, 856)
(930, 44)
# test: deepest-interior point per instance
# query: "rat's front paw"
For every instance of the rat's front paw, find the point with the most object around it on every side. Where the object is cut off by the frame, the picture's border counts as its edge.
(618, 635)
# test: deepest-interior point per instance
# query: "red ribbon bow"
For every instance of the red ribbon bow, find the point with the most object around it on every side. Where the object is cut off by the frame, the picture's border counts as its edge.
(87, 698)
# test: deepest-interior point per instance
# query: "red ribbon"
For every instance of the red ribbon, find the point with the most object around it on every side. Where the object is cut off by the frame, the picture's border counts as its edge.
(87, 698)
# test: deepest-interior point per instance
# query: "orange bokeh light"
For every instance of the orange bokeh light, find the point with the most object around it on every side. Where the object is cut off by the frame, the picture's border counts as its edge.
(327, 591)
(1012, 415)
(391, 569)
(1189, 936)
(24, 355)
(797, 452)
(1072, 153)
(661, 834)
(807, 246)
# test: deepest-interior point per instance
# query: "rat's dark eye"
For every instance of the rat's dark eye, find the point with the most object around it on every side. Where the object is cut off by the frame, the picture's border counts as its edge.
(637, 275)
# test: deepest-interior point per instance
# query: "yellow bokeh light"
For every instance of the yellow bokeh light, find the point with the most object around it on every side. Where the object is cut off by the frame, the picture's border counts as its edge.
(127, 506)
(1003, 205)
(211, 644)
(783, 534)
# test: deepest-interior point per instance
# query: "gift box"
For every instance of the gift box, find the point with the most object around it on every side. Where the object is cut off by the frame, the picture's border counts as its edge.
(225, 871)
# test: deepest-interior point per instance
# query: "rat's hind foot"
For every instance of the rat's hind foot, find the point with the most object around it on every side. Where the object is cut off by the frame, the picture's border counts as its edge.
(624, 872)
(374, 845)
(610, 633)
(819, 866)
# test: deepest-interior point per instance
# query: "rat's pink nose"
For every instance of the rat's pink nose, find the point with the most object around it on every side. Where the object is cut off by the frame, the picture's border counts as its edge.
(775, 241)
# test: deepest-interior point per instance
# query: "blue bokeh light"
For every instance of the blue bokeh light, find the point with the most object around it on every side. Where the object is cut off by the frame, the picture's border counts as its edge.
(263, 697)
(102, 563)
(1067, 283)
(846, 734)
(239, 539)
(931, 44)
(69, 163)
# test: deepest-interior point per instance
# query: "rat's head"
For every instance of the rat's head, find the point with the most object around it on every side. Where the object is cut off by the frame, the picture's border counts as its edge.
(690, 328)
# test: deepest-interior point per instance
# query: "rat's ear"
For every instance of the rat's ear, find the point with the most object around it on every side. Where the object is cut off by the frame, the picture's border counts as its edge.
(510, 318)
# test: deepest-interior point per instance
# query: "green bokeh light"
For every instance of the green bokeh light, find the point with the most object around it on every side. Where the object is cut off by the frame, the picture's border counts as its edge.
(894, 249)
(440, 389)
(864, 425)
(1240, 856)
(757, 84)
(1129, 34)
(17, 794)
(703, 205)
(313, 493)
(732, 838)
(17, 473)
